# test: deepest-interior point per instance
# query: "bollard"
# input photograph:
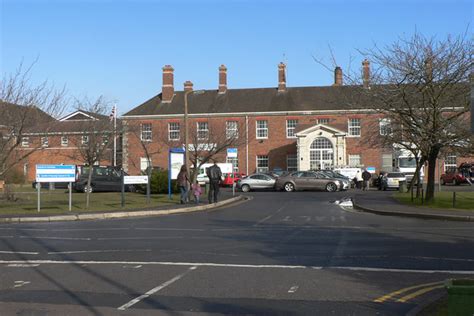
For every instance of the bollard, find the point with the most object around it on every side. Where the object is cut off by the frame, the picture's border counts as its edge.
(454, 199)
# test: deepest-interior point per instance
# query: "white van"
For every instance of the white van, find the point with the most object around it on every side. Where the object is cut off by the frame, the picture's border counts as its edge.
(348, 172)
(202, 176)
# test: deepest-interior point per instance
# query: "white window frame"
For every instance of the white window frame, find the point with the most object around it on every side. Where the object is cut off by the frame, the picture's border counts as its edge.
(291, 127)
(85, 139)
(174, 131)
(262, 158)
(384, 127)
(448, 165)
(354, 130)
(261, 126)
(234, 161)
(25, 142)
(146, 134)
(202, 129)
(356, 157)
(323, 121)
(64, 141)
(231, 130)
(44, 141)
(294, 165)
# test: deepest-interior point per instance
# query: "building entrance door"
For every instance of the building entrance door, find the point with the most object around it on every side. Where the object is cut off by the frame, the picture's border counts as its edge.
(321, 154)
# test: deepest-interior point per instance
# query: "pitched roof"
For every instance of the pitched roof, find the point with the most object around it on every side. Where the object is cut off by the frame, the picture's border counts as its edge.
(251, 101)
(15, 115)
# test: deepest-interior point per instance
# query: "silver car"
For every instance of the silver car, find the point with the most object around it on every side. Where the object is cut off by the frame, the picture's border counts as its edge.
(256, 181)
(308, 180)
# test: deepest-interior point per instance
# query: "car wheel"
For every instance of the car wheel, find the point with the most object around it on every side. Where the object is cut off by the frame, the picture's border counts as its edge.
(442, 181)
(289, 187)
(245, 188)
(87, 189)
(331, 187)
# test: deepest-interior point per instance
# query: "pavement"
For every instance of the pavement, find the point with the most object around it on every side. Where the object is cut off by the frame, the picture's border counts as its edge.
(382, 203)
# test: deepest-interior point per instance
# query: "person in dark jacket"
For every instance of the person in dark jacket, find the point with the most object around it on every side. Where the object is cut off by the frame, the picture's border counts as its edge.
(214, 174)
(366, 176)
(183, 183)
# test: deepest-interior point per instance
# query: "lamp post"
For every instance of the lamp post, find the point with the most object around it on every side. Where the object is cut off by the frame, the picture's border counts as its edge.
(186, 129)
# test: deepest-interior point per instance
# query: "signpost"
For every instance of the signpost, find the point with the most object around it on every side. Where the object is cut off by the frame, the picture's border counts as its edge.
(232, 153)
(55, 173)
(132, 180)
(175, 161)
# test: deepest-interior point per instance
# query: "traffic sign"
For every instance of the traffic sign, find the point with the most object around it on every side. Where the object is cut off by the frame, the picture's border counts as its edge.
(55, 173)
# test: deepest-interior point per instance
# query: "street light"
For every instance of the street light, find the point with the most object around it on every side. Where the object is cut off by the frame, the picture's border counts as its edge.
(186, 132)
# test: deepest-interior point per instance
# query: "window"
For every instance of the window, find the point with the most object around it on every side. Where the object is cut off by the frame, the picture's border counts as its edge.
(25, 141)
(146, 132)
(202, 130)
(354, 127)
(384, 126)
(44, 141)
(262, 163)
(290, 128)
(64, 141)
(324, 121)
(235, 163)
(450, 163)
(262, 129)
(85, 140)
(387, 163)
(231, 129)
(173, 131)
(144, 163)
(354, 160)
(291, 162)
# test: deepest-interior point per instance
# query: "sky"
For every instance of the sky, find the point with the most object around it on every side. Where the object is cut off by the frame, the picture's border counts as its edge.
(117, 48)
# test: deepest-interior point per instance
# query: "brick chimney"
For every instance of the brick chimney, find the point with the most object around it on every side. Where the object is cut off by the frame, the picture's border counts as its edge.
(366, 73)
(188, 86)
(337, 76)
(222, 79)
(281, 77)
(167, 90)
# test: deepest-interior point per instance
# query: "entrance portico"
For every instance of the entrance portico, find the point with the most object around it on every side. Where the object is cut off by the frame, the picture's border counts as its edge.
(320, 147)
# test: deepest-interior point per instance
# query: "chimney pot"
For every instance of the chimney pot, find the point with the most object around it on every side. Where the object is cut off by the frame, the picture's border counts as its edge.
(222, 79)
(167, 91)
(366, 73)
(338, 76)
(281, 77)
(188, 86)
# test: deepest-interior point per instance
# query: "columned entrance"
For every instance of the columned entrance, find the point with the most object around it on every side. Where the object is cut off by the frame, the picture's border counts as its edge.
(321, 154)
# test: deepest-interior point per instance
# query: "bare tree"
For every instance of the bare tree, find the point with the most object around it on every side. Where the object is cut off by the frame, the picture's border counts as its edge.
(94, 140)
(211, 144)
(24, 105)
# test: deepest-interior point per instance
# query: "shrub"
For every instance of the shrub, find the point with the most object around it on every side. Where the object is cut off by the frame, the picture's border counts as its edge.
(159, 183)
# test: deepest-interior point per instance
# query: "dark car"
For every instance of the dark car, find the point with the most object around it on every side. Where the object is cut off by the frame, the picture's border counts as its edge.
(104, 179)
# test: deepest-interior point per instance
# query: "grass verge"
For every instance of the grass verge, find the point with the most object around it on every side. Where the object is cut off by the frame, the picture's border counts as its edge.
(57, 202)
(443, 200)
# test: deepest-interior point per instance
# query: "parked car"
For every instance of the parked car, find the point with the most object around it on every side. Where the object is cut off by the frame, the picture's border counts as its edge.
(256, 181)
(333, 174)
(308, 180)
(453, 177)
(104, 179)
(231, 178)
(392, 180)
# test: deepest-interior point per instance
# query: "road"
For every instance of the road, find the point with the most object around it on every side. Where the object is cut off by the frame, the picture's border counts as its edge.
(277, 254)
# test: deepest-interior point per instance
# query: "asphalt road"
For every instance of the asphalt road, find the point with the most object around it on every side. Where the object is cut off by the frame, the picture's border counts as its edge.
(277, 254)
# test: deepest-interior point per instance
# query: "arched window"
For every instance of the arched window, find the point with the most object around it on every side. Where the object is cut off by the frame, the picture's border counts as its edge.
(321, 154)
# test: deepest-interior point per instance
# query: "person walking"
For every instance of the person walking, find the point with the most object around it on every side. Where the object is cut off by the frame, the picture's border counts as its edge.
(183, 183)
(214, 174)
(366, 176)
(358, 179)
(197, 190)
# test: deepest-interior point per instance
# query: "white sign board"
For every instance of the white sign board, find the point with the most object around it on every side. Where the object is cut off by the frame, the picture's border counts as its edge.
(231, 152)
(135, 179)
(176, 161)
(55, 173)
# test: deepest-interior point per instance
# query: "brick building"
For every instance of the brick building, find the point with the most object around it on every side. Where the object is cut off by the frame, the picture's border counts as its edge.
(282, 127)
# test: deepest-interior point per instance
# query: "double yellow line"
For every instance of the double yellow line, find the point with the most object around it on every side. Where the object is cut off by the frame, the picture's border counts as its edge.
(423, 288)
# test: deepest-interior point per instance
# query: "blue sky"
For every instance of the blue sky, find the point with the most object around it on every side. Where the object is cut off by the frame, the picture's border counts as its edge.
(117, 48)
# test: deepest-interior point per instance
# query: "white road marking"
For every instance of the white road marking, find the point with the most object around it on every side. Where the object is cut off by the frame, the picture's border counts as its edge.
(269, 216)
(172, 229)
(293, 289)
(22, 265)
(286, 219)
(132, 267)
(156, 237)
(7, 236)
(155, 290)
(231, 265)
(21, 283)
(306, 218)
(19, 252)
(94, 251)
(58, 238)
